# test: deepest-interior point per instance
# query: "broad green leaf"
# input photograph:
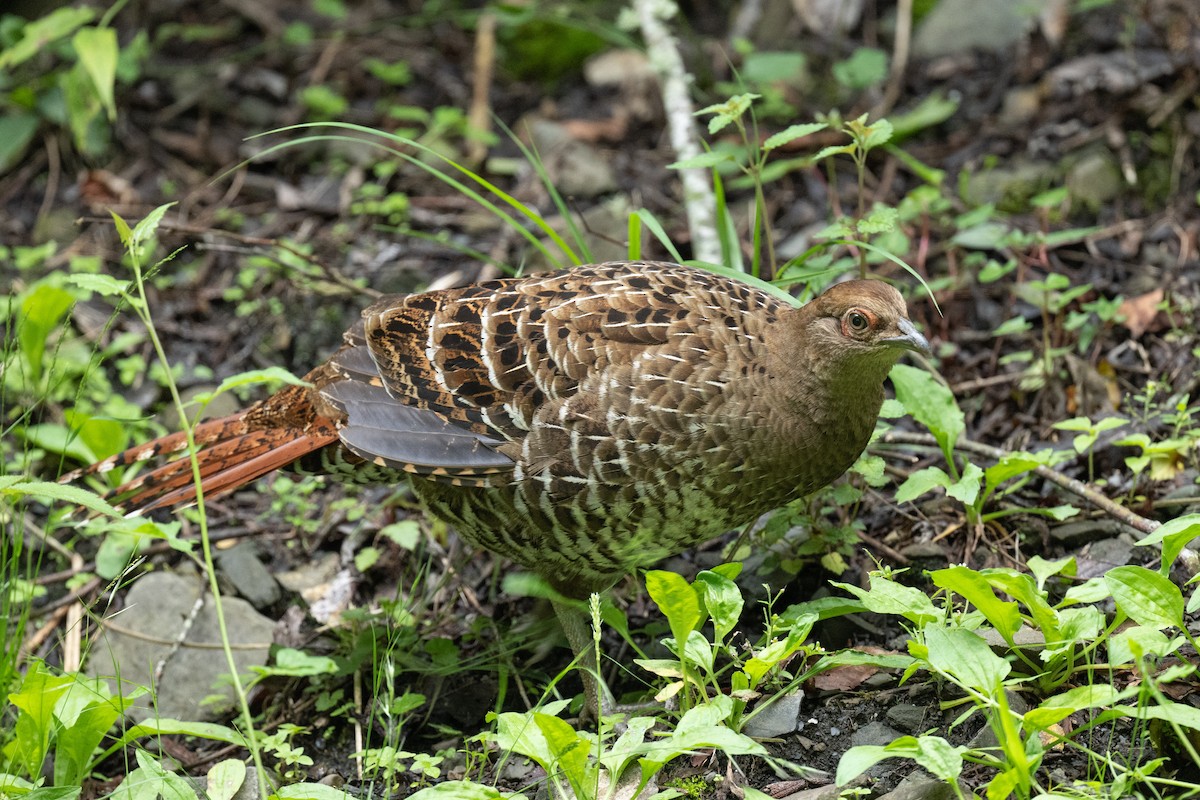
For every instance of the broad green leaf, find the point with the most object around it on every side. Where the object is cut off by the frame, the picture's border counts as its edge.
(40, 690)
(448, 790)
(934, 753)
(1178, 713)
(97, 52)
(14, 485)
(225, 778)
(966, 489)
(1043, 570)
(722, 600)
(82, 729)
(1004, 616)
(792, 133)
(1174, 535)
(569, 748)
(698, 651)
(885, 596)
(41, 311)
(931, 403)
(1131, 645)
(920, 482)
(17, 129)
(1149, 598)
(985, 236)
(677, 600)
(966, 657)
(297, 663)
(1024, 589)
(1091, 695)
(105, 285)
(703, 161)
(39, 33)
(149, 224)
(101, 436)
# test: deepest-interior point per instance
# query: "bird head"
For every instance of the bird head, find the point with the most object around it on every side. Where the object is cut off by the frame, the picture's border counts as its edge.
(853, 332)
(863, 318)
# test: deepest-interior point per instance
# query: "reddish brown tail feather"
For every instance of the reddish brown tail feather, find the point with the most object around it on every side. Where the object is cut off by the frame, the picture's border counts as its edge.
(229, 456)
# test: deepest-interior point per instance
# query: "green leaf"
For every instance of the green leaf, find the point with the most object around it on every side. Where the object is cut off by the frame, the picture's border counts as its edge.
(14, 485)
(1149, 598)
(920, 482)
(1005, 616)
(1091, 695)
(1013, 464)
(40, 690)
(965, 657)
(105, 285)
(985, 236)
(966, 488)
(447, 790)
(677, 600)
(405, 534)
(1178, 713)
(934, 753)
(885, 596)
(792, 133)
(1174, 535)
(225, 778)
(85, 717)
(40, 33)
(722, 600)
(297, 663)
(145, 229)
(97, 52)
(17, 129)
(1131, 645)
(703, 161)
(1043, 570)
(931, 403)
(41, 311)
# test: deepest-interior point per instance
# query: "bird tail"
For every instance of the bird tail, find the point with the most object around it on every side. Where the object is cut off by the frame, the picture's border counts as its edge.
(230, 452)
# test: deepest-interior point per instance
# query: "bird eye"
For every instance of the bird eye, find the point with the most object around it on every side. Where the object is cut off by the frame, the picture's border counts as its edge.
(858, 321)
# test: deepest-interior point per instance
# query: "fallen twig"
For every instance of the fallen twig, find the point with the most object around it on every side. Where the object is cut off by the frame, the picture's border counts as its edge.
(1077, 487)
(698, 199)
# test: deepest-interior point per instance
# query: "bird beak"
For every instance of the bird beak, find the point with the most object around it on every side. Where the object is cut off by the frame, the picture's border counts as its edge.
(910, 338)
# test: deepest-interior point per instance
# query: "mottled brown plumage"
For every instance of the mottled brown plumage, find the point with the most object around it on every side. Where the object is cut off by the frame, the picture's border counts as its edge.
(581, 423)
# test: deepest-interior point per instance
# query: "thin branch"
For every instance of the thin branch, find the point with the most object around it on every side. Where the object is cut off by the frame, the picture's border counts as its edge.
(1072, 485)
(699, 201)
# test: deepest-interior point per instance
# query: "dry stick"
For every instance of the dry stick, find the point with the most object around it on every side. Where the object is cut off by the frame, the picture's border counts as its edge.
(699, 201)
(480, 115)
(1072, 485)
(904, 15)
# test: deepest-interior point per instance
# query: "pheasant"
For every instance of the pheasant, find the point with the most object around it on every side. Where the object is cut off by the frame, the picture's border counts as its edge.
(581, 423)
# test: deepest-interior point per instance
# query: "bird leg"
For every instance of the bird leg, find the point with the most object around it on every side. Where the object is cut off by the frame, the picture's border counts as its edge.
(576, 624)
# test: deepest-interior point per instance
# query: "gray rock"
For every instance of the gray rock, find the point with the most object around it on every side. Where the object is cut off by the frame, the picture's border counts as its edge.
(925, 550)
(248, 576)
(1075, 534)
(959, 26)
(918, 786)
(874, 733)
(1014, 183)
(986, 738)
(574, 166)
(908, 717)
(146, 645)
(1099, 557)
(777, 719)
(1094, 179)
